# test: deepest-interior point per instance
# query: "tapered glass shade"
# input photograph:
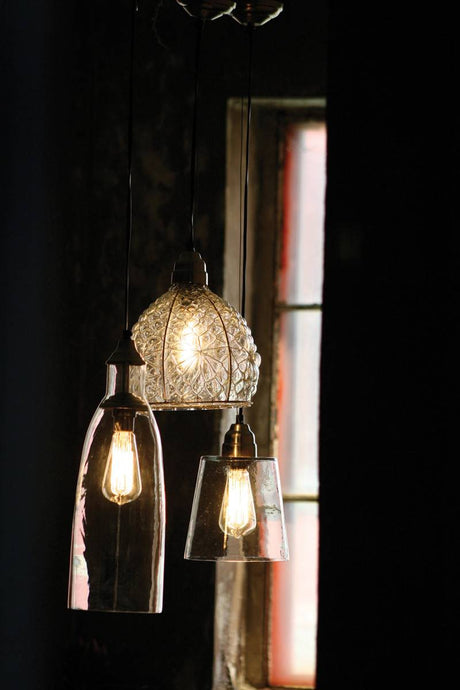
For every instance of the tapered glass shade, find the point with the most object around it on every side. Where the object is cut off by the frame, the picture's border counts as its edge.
(198, 349)
(237, 512)
(117, 552)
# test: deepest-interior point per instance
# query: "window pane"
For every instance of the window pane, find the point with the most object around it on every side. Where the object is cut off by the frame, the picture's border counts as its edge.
(295, 601)
(301, 275)
(298, 401)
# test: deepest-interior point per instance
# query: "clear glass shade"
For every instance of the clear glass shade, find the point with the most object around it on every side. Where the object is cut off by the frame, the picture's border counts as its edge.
(237, 512)
(117, 552)
(198, 349)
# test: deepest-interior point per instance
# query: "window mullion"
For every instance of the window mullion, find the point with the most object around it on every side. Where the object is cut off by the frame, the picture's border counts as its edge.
(283, 306)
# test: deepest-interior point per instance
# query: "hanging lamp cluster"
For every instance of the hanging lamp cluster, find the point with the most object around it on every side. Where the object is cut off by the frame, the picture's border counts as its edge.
(189, 350)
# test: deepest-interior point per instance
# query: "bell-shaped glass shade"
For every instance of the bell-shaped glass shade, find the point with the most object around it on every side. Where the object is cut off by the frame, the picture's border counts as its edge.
(198, 349)
(117, 553)
(237, 512)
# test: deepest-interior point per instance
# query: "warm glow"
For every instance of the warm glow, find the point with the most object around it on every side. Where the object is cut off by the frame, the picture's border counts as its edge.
(188, 349)
(199, 351)
(122, 479)
(237, 515)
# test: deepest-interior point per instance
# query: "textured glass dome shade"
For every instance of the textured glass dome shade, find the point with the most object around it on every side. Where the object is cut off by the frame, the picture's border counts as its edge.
(237, 512)
(199, 350)
(117, 551)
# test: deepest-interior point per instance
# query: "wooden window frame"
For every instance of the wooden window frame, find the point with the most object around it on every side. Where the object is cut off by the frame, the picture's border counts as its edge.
(243, 589)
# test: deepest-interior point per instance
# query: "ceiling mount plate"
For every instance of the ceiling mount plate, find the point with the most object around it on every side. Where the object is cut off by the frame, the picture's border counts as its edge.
(207, 9)
(256, 12)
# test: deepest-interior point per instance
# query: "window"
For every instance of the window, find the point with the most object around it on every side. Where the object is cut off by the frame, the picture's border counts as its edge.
(297, 327)
(266, 613)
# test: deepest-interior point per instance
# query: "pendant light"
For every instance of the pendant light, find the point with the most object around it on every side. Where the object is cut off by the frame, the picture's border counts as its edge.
(117, 551)
(199, 350)
(237, 512)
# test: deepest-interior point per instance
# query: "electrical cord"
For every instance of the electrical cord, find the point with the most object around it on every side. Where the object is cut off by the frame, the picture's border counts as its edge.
(129, 213)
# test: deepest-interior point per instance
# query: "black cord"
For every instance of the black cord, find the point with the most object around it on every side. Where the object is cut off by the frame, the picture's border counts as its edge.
(240, 416)
(240, 198)
(129, 214)
(246, 179)
(193, 164)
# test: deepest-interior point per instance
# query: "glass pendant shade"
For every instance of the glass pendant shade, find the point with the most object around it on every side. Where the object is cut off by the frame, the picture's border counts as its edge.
(117, 551)
(199, 350)
(237, 512)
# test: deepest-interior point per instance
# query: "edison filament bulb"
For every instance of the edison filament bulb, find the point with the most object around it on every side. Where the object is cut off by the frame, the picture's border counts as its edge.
(237, 514)
(122, 477)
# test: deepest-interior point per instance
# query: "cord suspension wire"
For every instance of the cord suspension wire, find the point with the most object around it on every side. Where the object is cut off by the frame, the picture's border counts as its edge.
(250, 29)
(129, 213)
(240, 210)
(193, 165)
(246, 179)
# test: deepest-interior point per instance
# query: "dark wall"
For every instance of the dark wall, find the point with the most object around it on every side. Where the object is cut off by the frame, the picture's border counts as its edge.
(389, 514)
(63, 181)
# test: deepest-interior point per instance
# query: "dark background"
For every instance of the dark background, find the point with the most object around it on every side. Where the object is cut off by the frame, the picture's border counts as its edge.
(388, 566)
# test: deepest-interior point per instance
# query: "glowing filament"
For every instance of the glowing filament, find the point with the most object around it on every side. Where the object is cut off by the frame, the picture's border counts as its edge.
(188, 348)
(122, 479)
(237, 514)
